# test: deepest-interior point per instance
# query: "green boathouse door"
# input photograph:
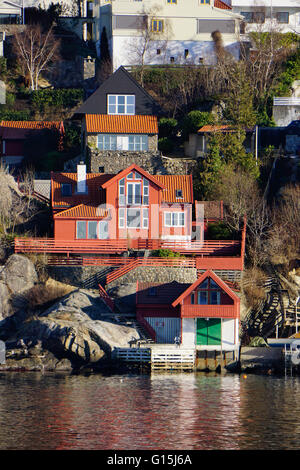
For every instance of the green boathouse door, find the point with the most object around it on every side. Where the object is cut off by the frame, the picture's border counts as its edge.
(208, 331)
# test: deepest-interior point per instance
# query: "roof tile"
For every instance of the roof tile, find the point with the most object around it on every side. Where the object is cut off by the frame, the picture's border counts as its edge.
(121, 124)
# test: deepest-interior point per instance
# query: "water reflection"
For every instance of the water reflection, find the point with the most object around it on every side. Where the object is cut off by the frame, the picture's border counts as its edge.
(158, 411)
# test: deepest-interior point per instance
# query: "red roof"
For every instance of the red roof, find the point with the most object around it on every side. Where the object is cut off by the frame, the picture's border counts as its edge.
(97, 183)
(33, 124)
(94, 196)
(221, 128)
(199, 281)
(83, 211)
(222, 5)
(121, 124)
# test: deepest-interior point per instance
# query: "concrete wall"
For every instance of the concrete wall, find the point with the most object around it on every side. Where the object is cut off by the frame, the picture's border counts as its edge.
(283, 115)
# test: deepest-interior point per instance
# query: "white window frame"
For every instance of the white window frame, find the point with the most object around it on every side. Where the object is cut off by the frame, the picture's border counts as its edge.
(122, 217)
(145, 222)
(112, 138)
(175, 219)
(134, 195)
(122, 197)
(145, 192)
(137, 210)
(138, 143)
(117, 105)
(88, 230)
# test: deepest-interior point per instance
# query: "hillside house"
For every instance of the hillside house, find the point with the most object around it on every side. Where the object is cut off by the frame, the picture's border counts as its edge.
(204, 314)
(13, 135)
(268, 15)
(165, 32)
(120, 117)
(197, 145)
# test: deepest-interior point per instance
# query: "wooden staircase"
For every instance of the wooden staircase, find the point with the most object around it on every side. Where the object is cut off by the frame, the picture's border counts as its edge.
(274, 314)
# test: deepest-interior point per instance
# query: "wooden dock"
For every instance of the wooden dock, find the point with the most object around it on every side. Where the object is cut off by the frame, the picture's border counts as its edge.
(158, 358)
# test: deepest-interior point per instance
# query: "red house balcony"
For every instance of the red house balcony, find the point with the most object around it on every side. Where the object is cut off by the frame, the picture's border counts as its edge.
(210, 311)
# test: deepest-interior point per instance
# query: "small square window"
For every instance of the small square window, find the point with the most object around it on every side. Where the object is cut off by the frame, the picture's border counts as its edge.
(101, 169)
(157, 26)
(172, 60)
(179, 193)
(186, 53)
(158, 51)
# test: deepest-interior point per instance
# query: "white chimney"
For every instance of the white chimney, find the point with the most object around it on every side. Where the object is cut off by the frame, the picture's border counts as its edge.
(81, 178)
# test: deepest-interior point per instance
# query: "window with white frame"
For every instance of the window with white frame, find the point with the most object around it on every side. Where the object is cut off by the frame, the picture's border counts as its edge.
(282, 17)
(138, 142)
(134, 193)
(122, 192)
(174, 219)
(133, 218)
(145, 218)
(92, 230)
(121, 218)
(81, 229)
(145, 192)
(107, 142)
(121, 104)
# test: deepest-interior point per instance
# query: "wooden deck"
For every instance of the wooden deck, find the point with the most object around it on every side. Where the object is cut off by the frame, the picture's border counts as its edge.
(199, 248)
(159, 356)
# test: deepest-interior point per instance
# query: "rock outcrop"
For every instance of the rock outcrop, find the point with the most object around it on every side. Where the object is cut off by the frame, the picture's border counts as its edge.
(78, 329)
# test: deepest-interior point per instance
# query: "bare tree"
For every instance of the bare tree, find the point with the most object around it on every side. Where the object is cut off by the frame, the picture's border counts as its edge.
(35, 51)
(153, 38)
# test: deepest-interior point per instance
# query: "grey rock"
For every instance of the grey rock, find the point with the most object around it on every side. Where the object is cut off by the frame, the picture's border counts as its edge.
(4, 301)
(19, 274)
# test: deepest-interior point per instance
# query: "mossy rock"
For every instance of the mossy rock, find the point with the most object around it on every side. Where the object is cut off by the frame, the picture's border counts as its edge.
(258, 342)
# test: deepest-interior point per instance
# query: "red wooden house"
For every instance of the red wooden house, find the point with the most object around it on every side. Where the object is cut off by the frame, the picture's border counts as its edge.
(13, 135)
(204, 314)
(130, 205)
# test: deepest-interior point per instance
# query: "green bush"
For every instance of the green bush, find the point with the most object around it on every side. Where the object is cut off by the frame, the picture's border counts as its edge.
(219, 231)
(166, 253)
(60, 98)
(165, 145)
(10, 99)
(192, 122)
(3, 67)
(167, 127)
(10, 115)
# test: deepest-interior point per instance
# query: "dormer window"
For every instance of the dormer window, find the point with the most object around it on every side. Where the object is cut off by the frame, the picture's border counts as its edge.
(66, 189)
(209, 293)
(121, 104)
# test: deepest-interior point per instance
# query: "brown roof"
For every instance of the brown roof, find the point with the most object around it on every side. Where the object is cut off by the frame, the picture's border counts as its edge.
(83, 211)
(121, 124)
(33, 124)
(208, 128)
(222, 5)
(94, 196)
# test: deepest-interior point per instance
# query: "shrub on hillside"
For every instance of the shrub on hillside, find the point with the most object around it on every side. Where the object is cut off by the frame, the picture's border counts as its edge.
(165, 145)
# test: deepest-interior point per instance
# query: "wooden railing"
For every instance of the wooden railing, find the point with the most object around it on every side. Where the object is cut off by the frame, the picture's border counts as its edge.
(122, 271)
(105, 297)
(50, 245)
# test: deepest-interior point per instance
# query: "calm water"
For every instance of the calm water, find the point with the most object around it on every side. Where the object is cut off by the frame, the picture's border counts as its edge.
(160, 411)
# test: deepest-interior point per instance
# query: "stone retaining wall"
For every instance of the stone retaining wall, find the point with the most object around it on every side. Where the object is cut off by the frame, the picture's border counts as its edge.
(154, 274)
(153, 162)
(79, 275)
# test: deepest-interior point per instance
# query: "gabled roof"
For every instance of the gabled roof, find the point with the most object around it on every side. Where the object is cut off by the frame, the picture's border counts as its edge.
(174, 182)
(120, 82)
(121, 124)
(131, 168)
(94, 196)
(199, 281)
